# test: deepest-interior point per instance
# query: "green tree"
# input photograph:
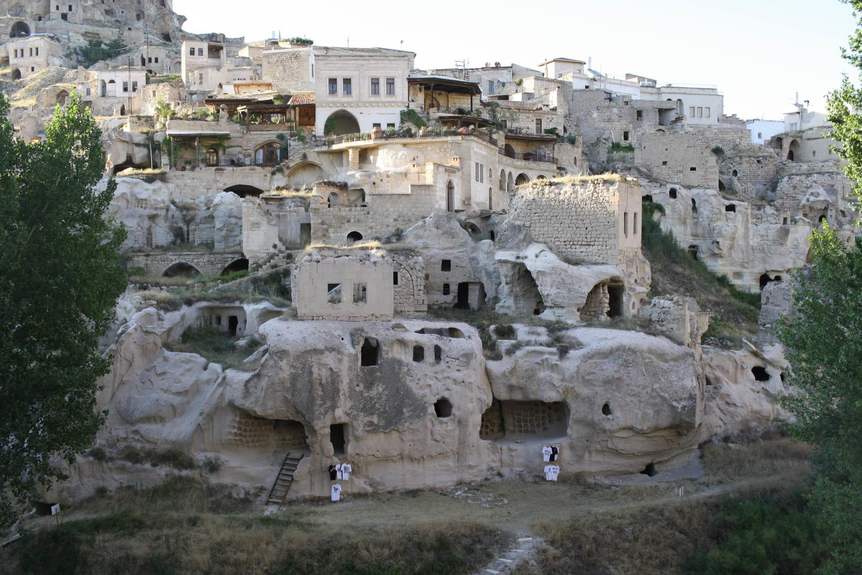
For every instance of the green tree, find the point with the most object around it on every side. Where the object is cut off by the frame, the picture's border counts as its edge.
(823, 339)
(60, 276)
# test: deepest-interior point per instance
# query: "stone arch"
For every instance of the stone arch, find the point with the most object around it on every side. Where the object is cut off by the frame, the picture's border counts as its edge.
(244, 190)
(522, 179)
(19, 30)
(181, 269)
(16, 74)
(794, 153)
(305, 173)
(340, 123)
(236, 266)
(267, 153)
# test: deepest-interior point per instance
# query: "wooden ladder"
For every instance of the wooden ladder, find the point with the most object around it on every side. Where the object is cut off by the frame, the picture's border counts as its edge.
(279, 490)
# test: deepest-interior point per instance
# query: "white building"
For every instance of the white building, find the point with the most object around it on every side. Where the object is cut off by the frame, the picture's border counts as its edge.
(763, 130)
(356, 89)
(32, 54)
(804, 119)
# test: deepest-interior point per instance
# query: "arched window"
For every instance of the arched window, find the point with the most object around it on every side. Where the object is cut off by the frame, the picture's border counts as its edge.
(354, 237)
(450, 196)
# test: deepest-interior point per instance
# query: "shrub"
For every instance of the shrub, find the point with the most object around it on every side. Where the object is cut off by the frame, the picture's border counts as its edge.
(411, 116)
(505, 331)
(212, 464)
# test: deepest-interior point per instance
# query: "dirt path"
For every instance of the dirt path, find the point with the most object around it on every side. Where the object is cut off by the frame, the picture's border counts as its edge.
(515, 506)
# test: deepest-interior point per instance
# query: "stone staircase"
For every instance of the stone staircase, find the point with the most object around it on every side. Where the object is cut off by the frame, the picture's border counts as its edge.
(523, 549)
(279, 490)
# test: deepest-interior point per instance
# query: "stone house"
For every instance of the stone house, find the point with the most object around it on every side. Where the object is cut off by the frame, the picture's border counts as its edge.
(32, 54)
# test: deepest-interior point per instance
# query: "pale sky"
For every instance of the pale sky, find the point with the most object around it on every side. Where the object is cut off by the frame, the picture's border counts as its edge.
(759, 53)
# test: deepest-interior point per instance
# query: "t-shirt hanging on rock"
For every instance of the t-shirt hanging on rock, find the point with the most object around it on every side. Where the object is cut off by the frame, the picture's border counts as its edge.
(546, 453)
(335, 493)
(346, 470)
(551, 472)
(333, 473)
(339, 471)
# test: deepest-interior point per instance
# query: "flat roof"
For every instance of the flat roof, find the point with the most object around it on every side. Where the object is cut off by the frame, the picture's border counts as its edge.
(567, 60)
(454, 83)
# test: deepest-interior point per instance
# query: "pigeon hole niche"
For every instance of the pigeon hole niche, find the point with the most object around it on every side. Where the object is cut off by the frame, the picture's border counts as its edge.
(508, 420)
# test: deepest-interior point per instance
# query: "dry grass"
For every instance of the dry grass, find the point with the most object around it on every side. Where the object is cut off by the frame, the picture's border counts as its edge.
(760, 458)
(184, 527)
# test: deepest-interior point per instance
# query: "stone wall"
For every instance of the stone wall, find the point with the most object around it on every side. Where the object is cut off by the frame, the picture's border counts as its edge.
(583, 220)
(207, 263)
(679, 157)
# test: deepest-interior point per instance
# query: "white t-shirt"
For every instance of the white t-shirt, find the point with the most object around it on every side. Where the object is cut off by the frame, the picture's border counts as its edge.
(335, 493)
(339, 471)
(546, 453)
(346, 470)
(551, 472)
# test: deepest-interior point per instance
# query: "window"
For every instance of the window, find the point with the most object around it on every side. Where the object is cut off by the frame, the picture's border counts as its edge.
(156, 59)
(443, 408)
(200, 51)
(347, 86)
(446, 290)
(125, 86)
(635, 223)
(626, 224)
(390, 86)
(504, 124)
(418, 353)
(333, 293)
(625, 136)
(360, 293)
(390, 126)
(375, 86)
(707, 111)
(333, 86)
(191, 51)
(376, 125)
(476, 171)
(31, 52)
(640, 115)
(134, 86)
(37, 50)
(539, 125)
(369, 355)
(395, 278)
(692, 169)
(490, 87)
(699, 112)
(692, 111)
(446, 266)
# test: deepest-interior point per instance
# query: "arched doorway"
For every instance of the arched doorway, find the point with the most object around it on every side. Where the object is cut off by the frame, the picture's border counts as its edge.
(182, 270)
(341, 123)
(680, 108)
(103, 89)
(503, 181)
(794, 154)
(522, 179)
(212, 157)
(19, 30)
(243, 190)
(450, 196)
(236, 266)
(268, 154)
(16, 74)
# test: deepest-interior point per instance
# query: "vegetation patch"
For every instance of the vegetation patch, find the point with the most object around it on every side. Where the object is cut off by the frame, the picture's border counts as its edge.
(734, 314)
(217, 346)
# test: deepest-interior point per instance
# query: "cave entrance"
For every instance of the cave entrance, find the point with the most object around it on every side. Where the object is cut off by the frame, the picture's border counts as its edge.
(338, 438)
(524, 420)
(232, 325)
(616, 293)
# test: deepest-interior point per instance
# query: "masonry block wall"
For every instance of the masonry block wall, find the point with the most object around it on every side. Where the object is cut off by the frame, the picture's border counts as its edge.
(679, 157)
(581, 219)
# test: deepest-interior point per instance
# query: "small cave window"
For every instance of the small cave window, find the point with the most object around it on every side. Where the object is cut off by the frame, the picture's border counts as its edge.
(647, 199)
(370, 352)
(354, 237)
(735, 173)
(649, 470)
(443, 408)
(606, 410)
(730, 208)
(693, 251)
(672, 193)
(418, 353)
(438, 354)
(692, 169)
(446, 266)
(446, 289)
(693, 206)
(760, 374)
